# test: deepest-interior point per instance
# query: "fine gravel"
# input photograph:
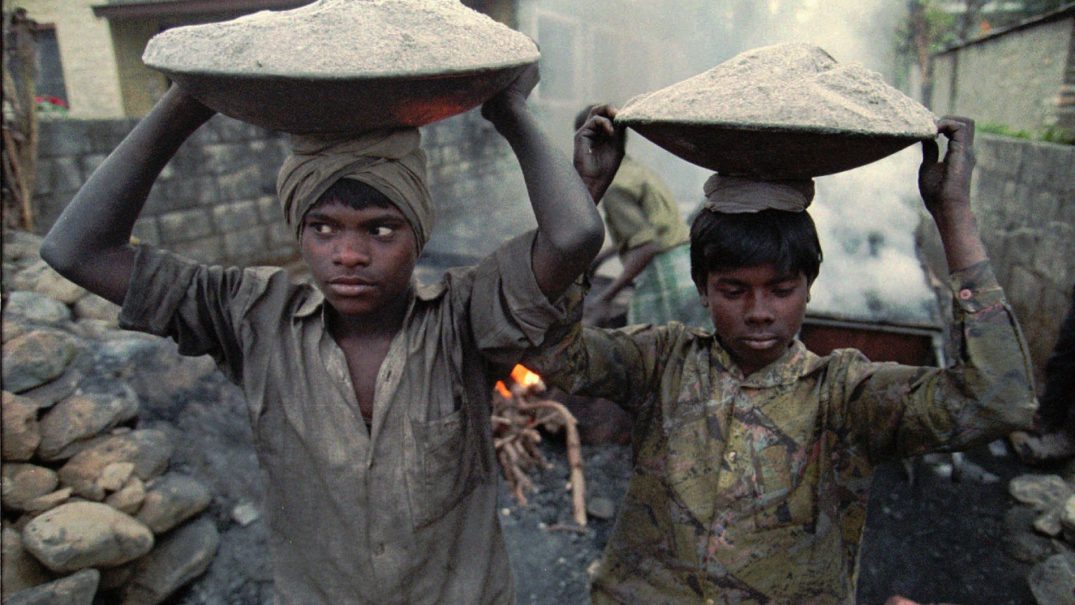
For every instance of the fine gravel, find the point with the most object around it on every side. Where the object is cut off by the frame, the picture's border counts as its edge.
(793, 85)
(345, 39)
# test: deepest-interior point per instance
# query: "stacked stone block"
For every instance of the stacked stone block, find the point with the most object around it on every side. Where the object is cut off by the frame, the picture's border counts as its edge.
(210, 201)
(92, 507)
(1024, 199)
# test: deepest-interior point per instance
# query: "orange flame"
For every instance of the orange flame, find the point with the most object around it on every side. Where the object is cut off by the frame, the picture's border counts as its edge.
(502, 389)
(524, 376)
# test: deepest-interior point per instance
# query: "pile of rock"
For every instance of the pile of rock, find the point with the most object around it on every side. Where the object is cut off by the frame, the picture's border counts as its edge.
(90, 505)
(1041, 531)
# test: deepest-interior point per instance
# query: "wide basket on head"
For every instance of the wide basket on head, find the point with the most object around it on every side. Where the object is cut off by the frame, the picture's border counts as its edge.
(345, 65)
(320, 105)
(771, 153)
(781, 112)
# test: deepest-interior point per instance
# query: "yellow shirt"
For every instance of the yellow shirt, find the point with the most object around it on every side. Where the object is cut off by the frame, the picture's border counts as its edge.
(640, 209)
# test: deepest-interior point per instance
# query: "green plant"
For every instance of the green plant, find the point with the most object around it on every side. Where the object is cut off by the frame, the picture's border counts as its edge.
(1052, 134)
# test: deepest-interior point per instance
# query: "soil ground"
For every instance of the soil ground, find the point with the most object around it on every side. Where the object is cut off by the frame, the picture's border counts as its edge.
(935, 540)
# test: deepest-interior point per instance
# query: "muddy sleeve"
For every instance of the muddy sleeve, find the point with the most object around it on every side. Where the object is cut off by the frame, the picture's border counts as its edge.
(896, 411)
(199, 306)
(622, 365)
(508, 311)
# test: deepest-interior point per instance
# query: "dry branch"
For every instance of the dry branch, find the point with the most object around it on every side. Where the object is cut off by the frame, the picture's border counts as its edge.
(517, 413)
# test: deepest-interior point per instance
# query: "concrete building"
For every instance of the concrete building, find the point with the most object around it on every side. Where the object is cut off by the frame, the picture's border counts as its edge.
(1018, 78)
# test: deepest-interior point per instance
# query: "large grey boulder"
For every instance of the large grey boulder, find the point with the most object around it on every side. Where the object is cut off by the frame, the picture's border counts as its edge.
(36, 308)
(180, 557)
(75, 589)
(20, 570)
(1042, 492)
(171, 499)
(82, 417)
(1053, 580)
(23, 483)
(21, 431)
(35, 358)
(79, 535)
(41, 278)
(1067, 520)
(92, 306)
(148, 449)
(129, 498)
(55, 390)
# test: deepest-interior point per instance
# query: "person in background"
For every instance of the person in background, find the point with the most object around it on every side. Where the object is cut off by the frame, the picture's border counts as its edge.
(753, 457)
(646, 230)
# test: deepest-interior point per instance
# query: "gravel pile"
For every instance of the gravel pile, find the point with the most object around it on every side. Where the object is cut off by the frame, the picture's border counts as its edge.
(794, 86)
(345, 39)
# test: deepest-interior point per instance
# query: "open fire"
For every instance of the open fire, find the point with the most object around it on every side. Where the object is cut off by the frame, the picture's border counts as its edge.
(519, 410)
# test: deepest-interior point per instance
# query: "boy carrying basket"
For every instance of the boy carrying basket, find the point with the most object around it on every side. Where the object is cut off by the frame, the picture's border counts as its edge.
(369, 395)
(752, 455)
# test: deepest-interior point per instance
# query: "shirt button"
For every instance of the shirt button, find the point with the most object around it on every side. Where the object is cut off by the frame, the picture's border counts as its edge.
(965, 294)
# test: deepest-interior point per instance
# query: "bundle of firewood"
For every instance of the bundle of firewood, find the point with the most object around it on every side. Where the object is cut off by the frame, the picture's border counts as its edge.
(518, 412)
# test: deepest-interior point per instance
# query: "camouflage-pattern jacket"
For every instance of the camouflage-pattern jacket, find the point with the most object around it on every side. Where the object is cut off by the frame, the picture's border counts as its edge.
(753, 489)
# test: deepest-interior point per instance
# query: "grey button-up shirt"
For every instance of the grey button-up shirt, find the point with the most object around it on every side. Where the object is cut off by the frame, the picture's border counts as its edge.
(402, 513)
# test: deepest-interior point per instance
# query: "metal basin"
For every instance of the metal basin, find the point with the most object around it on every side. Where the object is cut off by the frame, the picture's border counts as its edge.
(308, 105)
(770, 153)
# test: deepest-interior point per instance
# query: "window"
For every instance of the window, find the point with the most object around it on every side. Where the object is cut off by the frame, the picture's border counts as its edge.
(50, 86)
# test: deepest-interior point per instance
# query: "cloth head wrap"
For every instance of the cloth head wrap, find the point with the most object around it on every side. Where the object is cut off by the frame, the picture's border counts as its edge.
(740, 195)
(387, 160)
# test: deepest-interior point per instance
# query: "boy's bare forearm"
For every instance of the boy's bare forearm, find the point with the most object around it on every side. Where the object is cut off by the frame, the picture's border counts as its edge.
(570, 231)
(89, 243)
(962, 243)
(945, 186)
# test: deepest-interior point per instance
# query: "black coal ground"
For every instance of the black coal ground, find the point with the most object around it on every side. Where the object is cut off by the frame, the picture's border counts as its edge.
(933, 541)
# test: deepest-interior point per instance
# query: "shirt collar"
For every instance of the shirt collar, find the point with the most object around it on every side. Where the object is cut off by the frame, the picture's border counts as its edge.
(796, 362)
(315, 299)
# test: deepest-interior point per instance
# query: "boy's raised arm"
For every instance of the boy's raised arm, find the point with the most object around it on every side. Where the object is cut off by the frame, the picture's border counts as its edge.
(90, 242)
(945, 188)
(570, 231)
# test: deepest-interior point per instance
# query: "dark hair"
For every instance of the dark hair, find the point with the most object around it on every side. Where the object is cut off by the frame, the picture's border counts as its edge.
(353, 194)
(787, 240)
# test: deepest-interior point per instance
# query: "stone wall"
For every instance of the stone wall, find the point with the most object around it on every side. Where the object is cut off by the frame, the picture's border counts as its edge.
(1024, 199)
(1013, 78)
(216, 200)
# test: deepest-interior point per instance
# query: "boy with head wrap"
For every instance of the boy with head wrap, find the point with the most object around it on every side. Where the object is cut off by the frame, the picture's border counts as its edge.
(368, 394)
(752, 455)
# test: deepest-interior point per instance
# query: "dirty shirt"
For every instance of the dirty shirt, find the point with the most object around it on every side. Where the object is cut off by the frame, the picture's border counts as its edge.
(402, 512)
(753, 489)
